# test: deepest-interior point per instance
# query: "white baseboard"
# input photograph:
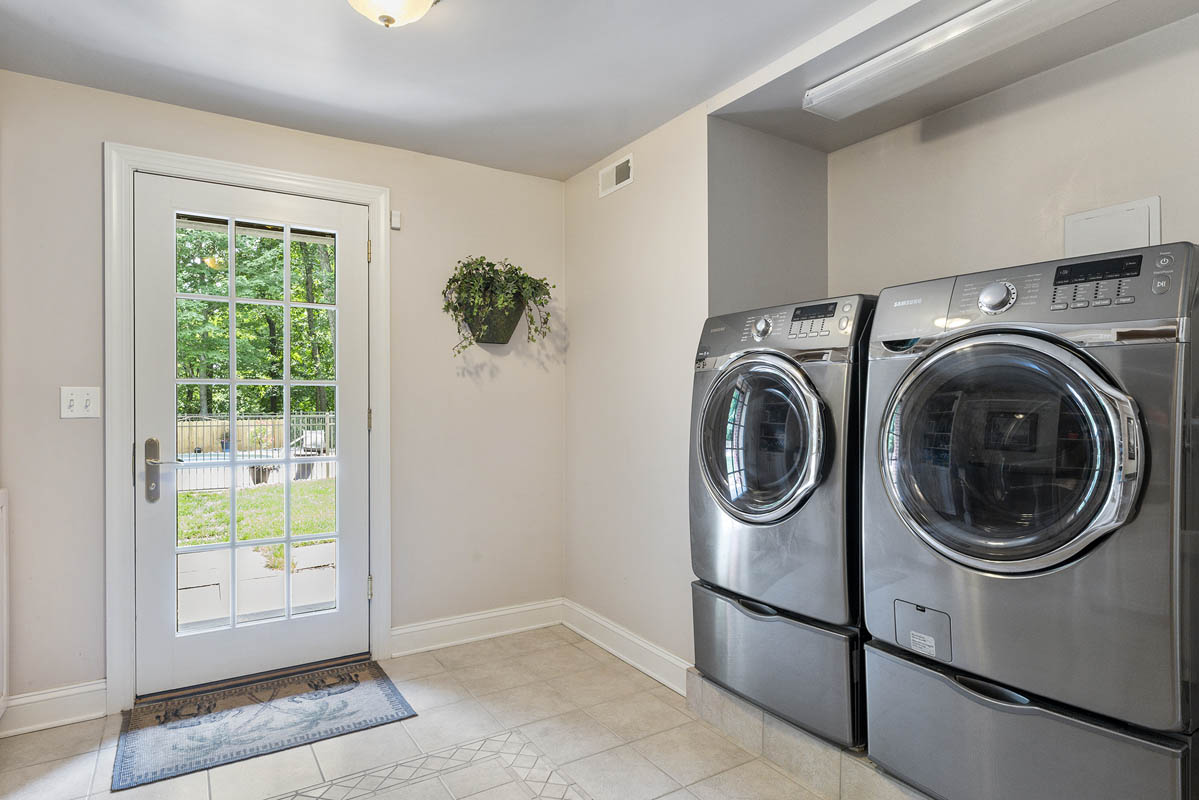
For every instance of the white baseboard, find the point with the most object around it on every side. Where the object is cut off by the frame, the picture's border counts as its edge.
(36, 711)
(422, 636)
(659, 664)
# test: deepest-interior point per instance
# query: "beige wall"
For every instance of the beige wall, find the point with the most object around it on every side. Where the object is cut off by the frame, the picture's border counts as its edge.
(478, 453)
(638, 268)
(986, 184)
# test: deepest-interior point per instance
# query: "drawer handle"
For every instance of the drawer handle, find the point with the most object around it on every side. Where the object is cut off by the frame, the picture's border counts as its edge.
(992, 693)
(757, 609)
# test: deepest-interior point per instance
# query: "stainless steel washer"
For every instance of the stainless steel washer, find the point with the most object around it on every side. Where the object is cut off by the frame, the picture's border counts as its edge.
(773, 508)
(1027, 485)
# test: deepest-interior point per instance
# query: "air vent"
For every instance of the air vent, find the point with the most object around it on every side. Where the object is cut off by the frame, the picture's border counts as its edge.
(616, 176)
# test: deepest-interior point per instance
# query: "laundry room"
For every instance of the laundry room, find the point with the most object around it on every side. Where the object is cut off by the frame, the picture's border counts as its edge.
(685, 400)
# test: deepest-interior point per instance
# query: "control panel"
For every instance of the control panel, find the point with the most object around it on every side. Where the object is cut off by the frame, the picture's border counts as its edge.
(820, 325)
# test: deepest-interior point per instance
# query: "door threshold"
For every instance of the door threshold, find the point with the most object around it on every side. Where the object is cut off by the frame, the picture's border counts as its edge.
(244, 680)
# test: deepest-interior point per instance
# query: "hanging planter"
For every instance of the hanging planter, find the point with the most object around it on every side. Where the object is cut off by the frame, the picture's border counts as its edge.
(487, 299)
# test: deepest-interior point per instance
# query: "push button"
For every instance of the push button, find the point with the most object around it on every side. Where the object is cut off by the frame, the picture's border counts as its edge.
(1102, 301)
(847, 307)
(1080, 304)
(825, 333)
(1123, 301)
(1165, 260)
(1161, 284)
(1059, 306)
(843, 323)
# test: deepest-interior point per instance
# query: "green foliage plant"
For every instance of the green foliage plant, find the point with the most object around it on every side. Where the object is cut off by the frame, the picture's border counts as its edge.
(479, 287)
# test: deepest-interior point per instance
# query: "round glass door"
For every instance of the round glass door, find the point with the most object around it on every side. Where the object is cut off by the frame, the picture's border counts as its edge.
(761, 438)
(1003, 452)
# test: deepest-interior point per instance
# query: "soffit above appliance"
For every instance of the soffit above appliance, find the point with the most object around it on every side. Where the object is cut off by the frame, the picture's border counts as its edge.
(932, 56)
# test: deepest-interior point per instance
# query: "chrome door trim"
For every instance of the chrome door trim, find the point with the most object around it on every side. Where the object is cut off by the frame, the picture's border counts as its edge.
(813, 406)
(1128, 440)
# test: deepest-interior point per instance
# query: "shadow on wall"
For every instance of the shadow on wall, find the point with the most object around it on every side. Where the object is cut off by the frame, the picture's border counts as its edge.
(1117, 61)
(482, 362)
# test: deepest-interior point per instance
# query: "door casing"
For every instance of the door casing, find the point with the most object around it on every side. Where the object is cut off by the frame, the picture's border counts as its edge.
(121, 162)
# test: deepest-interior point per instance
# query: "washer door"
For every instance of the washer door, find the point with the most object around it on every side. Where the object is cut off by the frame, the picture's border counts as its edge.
(1009, 453)
(761, 438)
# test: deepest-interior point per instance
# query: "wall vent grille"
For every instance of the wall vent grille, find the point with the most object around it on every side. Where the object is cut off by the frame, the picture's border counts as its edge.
(616, 176)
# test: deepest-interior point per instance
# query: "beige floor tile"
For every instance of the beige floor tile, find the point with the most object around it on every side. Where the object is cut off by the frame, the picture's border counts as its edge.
(570, 736)
(673, 699)
(638, 716)
(814, 764)
(193, 786)
(372, 747)
(555, 661)
(756, 780)
(598, 653)
(692, 752)
(595, 686)
(565, 634)
(52, 744)
(511, 791)
(620, 774)
(64, 779)
(425, 790)
(102, 777)
(681, 794)
(112, 730)
(432, 691)
(417, 665)
(467, 655)
(525, 642)
(477, 778)
(264, 776)
(452, 724)
(495, 676)
(524, 704)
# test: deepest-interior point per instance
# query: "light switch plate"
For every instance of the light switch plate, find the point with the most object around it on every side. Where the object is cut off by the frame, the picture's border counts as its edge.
(397, 220)
(75, 402)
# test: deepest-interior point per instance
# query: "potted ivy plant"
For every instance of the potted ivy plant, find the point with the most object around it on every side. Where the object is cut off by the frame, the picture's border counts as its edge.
(486, 300)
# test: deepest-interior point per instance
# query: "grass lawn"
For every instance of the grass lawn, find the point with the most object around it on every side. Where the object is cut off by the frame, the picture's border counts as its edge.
(204, 516)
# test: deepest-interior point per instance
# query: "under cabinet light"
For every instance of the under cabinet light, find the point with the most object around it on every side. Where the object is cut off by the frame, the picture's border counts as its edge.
(982, 31)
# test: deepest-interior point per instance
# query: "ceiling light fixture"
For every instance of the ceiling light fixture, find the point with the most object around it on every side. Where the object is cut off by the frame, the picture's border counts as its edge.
(393, 12)
(982, 31)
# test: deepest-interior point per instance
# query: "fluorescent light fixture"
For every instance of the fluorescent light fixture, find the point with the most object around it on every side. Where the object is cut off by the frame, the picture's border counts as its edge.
(982, 31)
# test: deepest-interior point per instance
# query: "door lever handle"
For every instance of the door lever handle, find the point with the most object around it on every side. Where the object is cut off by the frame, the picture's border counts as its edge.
(153, 465)
(154, 462)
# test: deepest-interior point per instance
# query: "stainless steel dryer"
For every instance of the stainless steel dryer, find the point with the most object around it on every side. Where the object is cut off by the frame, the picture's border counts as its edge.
(775, 459)
(1028, 530)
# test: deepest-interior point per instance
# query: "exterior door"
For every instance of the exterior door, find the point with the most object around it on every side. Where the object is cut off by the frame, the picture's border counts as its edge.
(251, 454)
(761, 438)
(1010, 453)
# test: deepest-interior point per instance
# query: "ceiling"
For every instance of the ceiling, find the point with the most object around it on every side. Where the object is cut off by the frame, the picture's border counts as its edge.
(545, 87)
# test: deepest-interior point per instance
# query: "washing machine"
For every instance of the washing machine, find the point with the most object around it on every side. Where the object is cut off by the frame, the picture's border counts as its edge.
(774, 476)
(1028, 530)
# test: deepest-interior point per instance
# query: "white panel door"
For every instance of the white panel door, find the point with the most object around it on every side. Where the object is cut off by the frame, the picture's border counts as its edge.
(251, 450)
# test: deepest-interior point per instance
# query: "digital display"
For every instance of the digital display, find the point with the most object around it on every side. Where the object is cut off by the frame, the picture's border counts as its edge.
(1011, 430)
(1109, 269)
(814, 312)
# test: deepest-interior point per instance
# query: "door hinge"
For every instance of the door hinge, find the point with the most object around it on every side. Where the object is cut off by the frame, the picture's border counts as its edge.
(133, 463)
(368, 251)
(370, 418)
(370, 587)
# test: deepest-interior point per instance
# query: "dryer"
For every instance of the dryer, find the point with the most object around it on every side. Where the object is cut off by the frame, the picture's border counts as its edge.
(774, 467)
(1028, 516)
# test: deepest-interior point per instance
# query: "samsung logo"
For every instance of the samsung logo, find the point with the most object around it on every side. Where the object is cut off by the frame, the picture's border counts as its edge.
(718, 330)
(914, 301)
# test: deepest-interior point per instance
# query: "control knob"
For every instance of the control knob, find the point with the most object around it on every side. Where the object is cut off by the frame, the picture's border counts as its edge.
(762, 329)
(997, 297)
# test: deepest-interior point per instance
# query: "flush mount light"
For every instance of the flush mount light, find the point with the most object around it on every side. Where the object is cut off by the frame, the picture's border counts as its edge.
(393, 12)
(982, 31)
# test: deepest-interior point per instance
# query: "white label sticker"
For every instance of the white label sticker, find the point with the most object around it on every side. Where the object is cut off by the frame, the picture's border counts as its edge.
(924, 644)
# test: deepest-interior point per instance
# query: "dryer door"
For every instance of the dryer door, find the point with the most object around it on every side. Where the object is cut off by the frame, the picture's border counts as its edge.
(1009, 453)
(761, 438)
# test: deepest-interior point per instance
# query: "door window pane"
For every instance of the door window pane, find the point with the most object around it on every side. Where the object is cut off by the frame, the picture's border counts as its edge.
(313, 430)
(202, 422)
(259, 261)
(261, 582)
(260, 501)
(314, 576)
(259, 334)
(260, 432)
(313, 344)
(202, 505)
(314, 498)
(202, 339)
(201, 255)
(999, 452)
(202, 590)
(313, 267)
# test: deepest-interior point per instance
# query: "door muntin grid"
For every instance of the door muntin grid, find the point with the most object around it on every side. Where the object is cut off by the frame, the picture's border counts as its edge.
(257, 437)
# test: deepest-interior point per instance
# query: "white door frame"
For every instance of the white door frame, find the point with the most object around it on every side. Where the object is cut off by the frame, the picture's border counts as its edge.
(120, 163)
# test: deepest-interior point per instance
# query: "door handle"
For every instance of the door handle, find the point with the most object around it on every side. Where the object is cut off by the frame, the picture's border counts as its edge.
(153, 465)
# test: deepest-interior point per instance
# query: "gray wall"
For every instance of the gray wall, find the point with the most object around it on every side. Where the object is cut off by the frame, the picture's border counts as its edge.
(768, 219)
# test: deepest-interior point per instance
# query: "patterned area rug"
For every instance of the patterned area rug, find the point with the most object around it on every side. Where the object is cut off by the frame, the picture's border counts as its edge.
(162, 740)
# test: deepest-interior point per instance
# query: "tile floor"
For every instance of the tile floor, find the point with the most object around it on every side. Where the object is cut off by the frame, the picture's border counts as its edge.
(537, 714)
